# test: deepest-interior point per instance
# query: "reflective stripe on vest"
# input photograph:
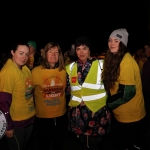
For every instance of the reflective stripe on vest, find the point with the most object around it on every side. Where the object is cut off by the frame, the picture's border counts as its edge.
(92, 90)
(98, 84)
(88, 98)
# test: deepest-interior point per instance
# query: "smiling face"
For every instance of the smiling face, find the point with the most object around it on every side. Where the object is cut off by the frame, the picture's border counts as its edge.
(83, 52)
(20, 55)
(53, 56)
(113, 45)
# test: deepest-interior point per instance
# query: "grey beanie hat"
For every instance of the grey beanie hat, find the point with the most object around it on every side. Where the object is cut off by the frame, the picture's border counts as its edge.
(121, 35)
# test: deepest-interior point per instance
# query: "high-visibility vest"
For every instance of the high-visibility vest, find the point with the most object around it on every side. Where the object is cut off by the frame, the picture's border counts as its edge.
(92, 91)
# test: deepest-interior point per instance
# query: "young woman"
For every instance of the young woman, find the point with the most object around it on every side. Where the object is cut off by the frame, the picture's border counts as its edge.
(50, 82)
(122, 82)
(88, 116)
(16, 98)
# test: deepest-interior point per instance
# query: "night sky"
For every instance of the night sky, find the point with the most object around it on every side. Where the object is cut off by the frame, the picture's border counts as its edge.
(63, 22)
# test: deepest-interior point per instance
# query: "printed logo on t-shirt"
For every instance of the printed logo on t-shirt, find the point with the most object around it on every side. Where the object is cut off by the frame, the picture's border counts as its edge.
(52, 91)
(29, 88)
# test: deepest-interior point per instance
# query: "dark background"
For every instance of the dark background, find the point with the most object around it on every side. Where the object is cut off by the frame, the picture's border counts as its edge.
(63, 22)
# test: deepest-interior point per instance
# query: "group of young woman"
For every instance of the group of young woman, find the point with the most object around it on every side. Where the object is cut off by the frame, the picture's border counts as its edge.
(105, 95)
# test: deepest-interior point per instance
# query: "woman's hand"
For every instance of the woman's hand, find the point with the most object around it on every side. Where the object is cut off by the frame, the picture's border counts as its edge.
(9, 133)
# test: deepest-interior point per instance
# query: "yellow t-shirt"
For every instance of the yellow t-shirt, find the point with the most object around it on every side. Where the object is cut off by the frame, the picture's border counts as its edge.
(49, 92)
(133, 110)
(19, 84)
(30, 62)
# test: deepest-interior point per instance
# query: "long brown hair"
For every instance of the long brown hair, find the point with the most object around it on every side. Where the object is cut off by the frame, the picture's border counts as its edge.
(44, 61)
(111, 70)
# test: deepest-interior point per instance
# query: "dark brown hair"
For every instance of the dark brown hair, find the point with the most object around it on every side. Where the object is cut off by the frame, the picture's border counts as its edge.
(111, 69)
(15, 47)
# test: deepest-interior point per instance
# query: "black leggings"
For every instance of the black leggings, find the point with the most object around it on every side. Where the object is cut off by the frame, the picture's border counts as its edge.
(20, 139)
(90, 142)
(51, 132)
(126, 135)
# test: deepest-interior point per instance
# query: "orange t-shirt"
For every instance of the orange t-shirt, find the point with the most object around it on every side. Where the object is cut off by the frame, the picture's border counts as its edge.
(49, 92)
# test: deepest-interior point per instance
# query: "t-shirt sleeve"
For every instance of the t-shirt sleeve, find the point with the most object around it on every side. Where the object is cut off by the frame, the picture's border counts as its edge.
(6, 89)
(127, 74)
(7, 82)
(33, 78)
